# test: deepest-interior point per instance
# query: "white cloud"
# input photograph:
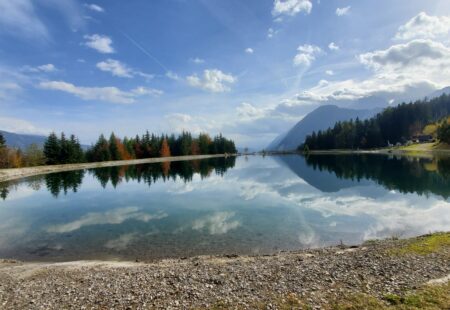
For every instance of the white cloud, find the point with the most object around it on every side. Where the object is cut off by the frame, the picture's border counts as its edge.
(144, 91)
(116, 68)
(197, 60)
(306, 55)
(416, 54)
(172, 75)
(423, 26)
(291, 7)
(329, 72)
(249, 50)
(116, 216)
(100, 43)
(333, 46)
(19, 17)
(43, 68)
(94, 7)
(217, 224)
(271, 33)
(213, 80)
(108, 94)
(343, 11)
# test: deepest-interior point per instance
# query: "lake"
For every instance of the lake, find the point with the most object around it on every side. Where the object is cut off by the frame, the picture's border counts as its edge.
(243, 205)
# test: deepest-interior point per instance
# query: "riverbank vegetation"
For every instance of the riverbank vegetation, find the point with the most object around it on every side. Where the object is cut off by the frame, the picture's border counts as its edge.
(60, 149)
(395, 125)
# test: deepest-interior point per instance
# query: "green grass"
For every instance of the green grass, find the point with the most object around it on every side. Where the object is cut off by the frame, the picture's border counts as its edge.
(427, 297)
(425, 245)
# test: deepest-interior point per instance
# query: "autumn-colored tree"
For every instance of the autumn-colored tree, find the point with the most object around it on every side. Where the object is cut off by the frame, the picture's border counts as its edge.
(122, 150)
(165, 150)
(195, 149)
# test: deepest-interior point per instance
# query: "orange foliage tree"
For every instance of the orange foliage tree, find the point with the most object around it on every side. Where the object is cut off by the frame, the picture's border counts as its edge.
(165, 150)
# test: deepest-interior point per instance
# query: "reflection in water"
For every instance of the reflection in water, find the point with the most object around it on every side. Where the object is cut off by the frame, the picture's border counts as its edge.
(222, 205)
(405, 174)
(147, 173)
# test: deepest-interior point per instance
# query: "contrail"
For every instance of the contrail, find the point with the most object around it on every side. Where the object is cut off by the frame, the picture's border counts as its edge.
(143, 50)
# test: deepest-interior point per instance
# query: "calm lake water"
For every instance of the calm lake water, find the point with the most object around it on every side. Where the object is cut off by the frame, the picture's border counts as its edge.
(244, 205)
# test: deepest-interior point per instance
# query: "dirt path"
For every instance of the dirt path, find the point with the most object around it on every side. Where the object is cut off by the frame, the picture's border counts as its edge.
(18, 173)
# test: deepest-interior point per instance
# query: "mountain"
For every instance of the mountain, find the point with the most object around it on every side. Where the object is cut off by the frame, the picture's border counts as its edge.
(320, 119)
(440, 92)
(22, 140)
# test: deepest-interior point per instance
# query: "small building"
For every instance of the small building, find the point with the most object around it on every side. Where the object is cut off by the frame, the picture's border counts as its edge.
(422, 138)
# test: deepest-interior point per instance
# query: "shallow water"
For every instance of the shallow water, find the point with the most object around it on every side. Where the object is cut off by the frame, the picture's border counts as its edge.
(244, 205)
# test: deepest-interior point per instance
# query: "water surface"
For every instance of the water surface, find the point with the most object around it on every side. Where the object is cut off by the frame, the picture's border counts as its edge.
(244, 205)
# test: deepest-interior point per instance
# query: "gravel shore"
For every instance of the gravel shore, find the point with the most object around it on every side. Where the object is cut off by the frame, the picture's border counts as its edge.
(312, 277)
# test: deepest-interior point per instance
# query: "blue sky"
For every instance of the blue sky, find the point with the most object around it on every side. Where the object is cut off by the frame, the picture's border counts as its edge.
(248, 69)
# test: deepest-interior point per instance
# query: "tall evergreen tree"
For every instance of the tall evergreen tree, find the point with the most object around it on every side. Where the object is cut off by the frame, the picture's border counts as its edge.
(52, 149)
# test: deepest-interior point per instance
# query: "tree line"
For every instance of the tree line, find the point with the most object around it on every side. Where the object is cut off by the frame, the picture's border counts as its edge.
(393, 125)
(59, 149)
(15, 158)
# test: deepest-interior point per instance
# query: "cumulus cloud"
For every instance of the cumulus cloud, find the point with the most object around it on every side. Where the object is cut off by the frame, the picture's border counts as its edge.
(101, 43)
(306, 55)
(108, 94)
(414, 54)
(116, 68)
(119, 69)
(94, 7)
(343, 11)
(249, 50)
(116, 216)
(329, 72)
(333, 46)
(423, 26)
(213, 80)
(217, 224)
(291, 7)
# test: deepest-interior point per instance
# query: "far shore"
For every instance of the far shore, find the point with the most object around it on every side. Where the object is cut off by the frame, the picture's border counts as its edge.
(18, 173)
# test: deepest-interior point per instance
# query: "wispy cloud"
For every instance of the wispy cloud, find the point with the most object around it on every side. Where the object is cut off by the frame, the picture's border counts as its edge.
(107, 94)
(306, 55)
(116, 216)
(94, 7)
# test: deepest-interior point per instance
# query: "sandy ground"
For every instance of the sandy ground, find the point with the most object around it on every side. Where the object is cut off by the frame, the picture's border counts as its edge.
(18, 173)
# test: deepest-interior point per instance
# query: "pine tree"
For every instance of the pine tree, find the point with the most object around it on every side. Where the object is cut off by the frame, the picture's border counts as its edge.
(52, 149)
(2, 141)
(113, 148)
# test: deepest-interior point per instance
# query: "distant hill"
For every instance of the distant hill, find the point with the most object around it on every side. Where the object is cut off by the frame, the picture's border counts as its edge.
(320, 119)
(22, 141)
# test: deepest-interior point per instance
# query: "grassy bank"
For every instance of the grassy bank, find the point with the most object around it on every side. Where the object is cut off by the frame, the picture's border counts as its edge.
(17, 173)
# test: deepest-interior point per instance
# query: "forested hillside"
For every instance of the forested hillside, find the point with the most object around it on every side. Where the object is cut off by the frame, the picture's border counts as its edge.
(393, 125)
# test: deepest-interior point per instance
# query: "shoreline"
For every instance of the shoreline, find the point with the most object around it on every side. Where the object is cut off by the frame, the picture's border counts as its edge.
(19, 173)
(376, 272)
